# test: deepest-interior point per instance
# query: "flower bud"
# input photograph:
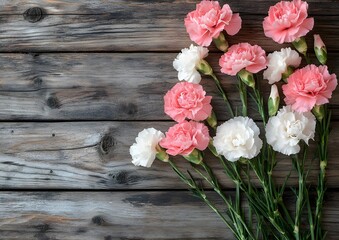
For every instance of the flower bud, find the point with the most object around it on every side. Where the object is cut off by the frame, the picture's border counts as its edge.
(319, 112)
(212, 120)
(273, 101)
(204, 67)
(161, 154)
(320, 49)
(194, 157)
(247, 78)
(221, 43)
(287, 73)
(301, 45)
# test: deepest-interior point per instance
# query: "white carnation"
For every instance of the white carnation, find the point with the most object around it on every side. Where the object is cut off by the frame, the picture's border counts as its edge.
(186, 61)
(287, 128)
(278, 63)
(143, 151)
(236, 138)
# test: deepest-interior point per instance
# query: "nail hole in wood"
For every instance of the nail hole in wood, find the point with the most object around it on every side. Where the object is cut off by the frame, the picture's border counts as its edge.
(53, 134)
(34, 14)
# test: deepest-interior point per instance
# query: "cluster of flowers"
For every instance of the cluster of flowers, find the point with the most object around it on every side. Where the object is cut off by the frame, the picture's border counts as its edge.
(306, 89)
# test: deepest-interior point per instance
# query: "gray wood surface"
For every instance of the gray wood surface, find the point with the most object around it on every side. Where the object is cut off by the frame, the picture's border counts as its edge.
(79, 80)
(124, 26)
(90, 7)
(94, 86)
(95, 155)
(120, 215)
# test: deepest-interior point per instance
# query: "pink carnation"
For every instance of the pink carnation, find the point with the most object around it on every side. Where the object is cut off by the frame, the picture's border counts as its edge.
(287, 21)
(309, 86)
(187, 100)
(208, 20)
(184, 137)
(243, 55)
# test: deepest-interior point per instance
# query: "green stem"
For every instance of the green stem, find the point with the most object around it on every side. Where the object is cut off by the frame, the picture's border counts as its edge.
(258, 206)
(310, 216)
(243, 96)
(300, 197)
(235, 210)
(264, 173)
(260, 104)
(222, 93)
(272, 189)
(238, 209)
(323, 130)
(259, 100)
(249, 186)
(202, 196)
(307, 58)
(271, 205)
(286, 212)
(181, 175)
(217, 212)
(261, 208)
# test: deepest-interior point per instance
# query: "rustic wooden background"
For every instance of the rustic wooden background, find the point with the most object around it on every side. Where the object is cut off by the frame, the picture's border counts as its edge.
(78, 81)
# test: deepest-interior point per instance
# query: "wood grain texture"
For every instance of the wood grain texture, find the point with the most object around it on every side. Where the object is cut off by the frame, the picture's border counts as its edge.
(92, 86)
(90, 7)
(113, 94)
(117, 215)
(133, 26)
(95, 155)
(120, 215)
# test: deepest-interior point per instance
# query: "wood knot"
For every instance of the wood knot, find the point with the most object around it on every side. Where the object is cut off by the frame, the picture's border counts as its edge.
(121, 177)
(37, 82)
(130, 109)
(53, 102)
(98, 220)
(107, 143)
(43, 227)
(34, 14)
(81, 230)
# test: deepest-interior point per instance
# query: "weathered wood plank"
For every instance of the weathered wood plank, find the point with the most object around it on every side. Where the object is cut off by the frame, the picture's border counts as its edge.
(316, 7)
(87, 86)
(120, 215)
(129, 30)
(117, 215)
(94, 86)
(95, 155)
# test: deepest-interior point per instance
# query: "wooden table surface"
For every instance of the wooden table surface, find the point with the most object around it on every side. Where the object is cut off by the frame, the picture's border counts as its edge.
(78, 81)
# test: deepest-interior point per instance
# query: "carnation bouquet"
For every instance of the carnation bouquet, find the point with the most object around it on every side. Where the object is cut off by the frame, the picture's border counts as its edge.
(247, 151)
